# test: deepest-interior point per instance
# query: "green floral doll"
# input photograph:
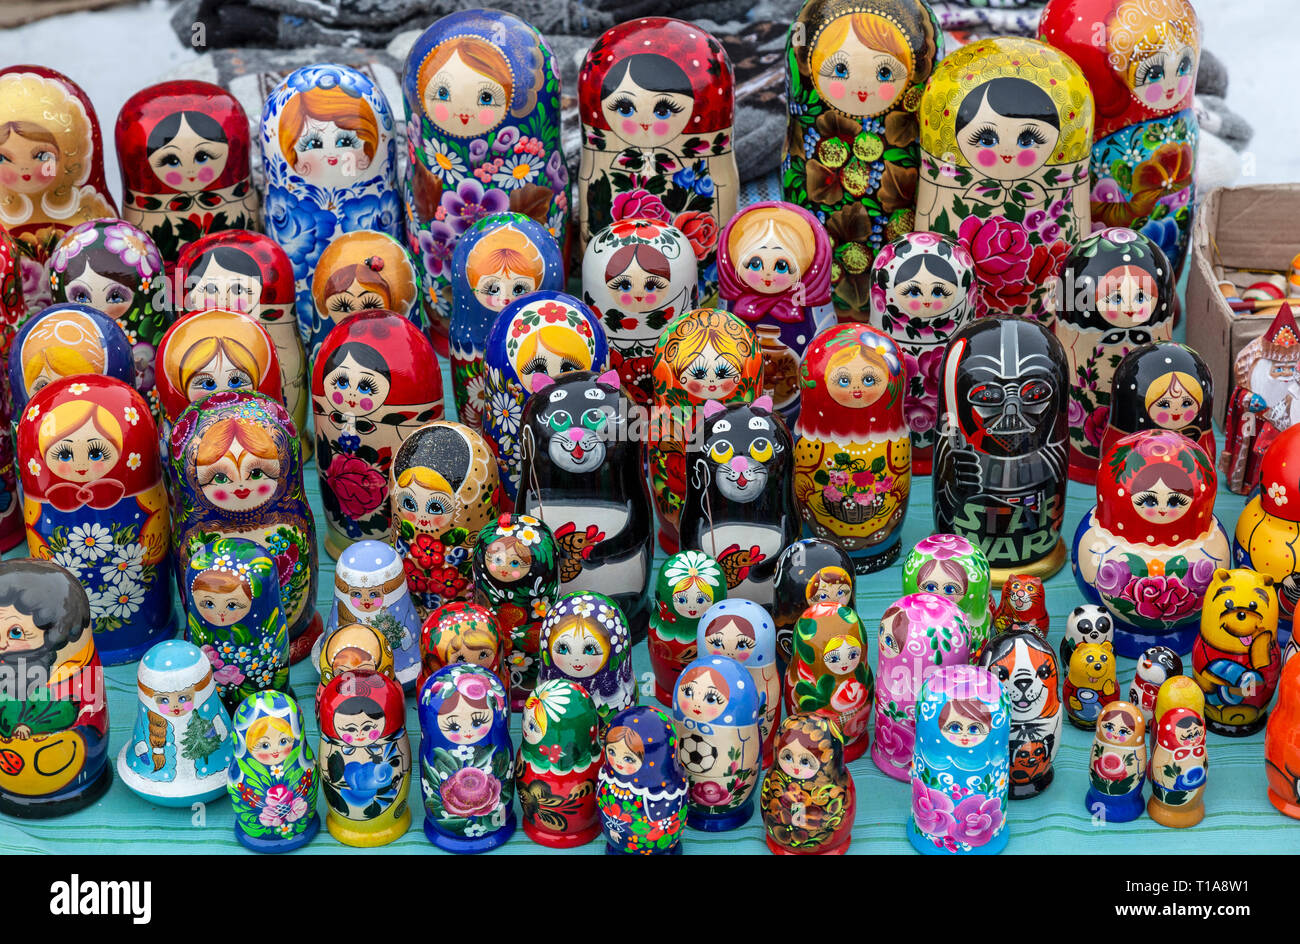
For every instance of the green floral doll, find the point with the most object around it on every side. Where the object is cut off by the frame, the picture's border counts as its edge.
(272, 777)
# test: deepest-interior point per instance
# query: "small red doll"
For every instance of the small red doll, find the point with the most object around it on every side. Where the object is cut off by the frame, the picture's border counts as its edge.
(1023, 606)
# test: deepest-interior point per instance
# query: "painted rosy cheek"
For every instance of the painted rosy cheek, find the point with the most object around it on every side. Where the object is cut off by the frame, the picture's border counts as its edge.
(651, 299)
(485, 116)
(172, 177)
(888, 91)
(441, 112)
(914, 305)
(1154, 93)
(630, 126)
(338, 397)
(780, 280)
(986, 157)
(1026, 157)
(206, 174)
(625, 298)
(661, 128)
(1184, 84)
(221, 495)
(367, 403)
(835, 90)
(1162, 417)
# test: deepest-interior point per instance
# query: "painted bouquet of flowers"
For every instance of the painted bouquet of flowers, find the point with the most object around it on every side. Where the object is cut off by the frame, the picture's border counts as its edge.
(1154, 594)
(852, 489)
(956, 817)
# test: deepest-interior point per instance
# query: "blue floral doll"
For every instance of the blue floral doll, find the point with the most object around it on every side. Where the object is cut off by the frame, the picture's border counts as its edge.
(63, 340)
(586, 640)
(370, 587)
(641, 789)
(272, 776)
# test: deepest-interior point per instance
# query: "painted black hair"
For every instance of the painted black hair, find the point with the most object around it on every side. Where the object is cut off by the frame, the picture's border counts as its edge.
(651, 71)
(167, 129)
(363, 354)
(229, 258)
(1010, 97)
(935, 265)
(360, 705)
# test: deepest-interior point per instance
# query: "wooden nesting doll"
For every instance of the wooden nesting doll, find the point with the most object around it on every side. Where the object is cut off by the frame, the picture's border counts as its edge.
(353, 647)
(1030, 675)
(960, 767)
(444, 490)
(330, 160)
(113, 266)
(774, 271)
(358, 271)
(497, 261)
(1267, 536)
(237, 270)
(482, 97)
(466, 760)
(1090, 683)
(272, 778)
(1115, 293)
(1163, 385)
(739, 501)
(1140, 58)
(1023, 606)
(829, 675)
(853, 459)
(809, 799)
(855, 70)
(13, 311)
(688, 585)
(180, 747)
(582, 474)
(1086, 623)
(704, 354)
(811, 570)
(183, 150)
(1006, 124)
(63, 340)
(54, 728)
(1178, 767)
(951, 566)
(1154, 667)
(235, 613)
(52, 173)
(370, 588)
(1000, 469)
(1263, 402)
(558, 766)
(742, 630)
(921, 295)
(238, 461)
(585, 639)
(637, 276)
(1148, 550)
(95, 504)
(1180, 691)
(364, 759)
(919, 633)
(657, 134)
(641, 788)
(1236, 659)
(1281, 744)
(375, 382)
(463, 632)
(1117, 768)
(516, 568)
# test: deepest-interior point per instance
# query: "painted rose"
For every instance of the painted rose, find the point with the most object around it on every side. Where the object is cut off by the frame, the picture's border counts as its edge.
(640, 203)
(1094, 425)
(895, 741)
(1162, 599)
(358, 486)
(931, 809)
(470, 792)
(709, 793)
(282, 806)
(976, 819)
(700, 228)
(1112, 577)
(1110, 766)
(999, 247)
(944, 546)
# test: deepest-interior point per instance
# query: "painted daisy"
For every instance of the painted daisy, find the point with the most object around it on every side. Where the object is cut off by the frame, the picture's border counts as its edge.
(90, 541)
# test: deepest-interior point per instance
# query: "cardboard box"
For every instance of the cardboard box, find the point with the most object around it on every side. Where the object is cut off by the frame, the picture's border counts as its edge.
(1241, 234)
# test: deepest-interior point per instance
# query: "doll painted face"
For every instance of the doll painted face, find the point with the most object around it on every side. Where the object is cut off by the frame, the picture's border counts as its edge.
(29, 164)
(356, 390)
(354, 659)
(637, 289)
(98, 291)
(944, 578)
(1162, 79)
(924, 294)
(854, 76)
(366, 599)
(1161, 504)
(189, 161)
(327, 155)
(1115, 727)
(239, 481)
(769, 269)
(623, 757)
(360, 728)
(641, 116)
(842, 655)
(892, 636)
(18, 633)
(579, 652)
(856, 382)
(1176, 406)
(355, 297)
(1126, 296)
(466, 101)
(426, 509)
(798, 761)
(551, 363)
(271, 747)
(463, 722)
(496, 290)
(710, 376)
(731, 637)
(222, 609)
(692, 601)
(220, 373)
(460, 650)
(532, 728)
(84, 455)
(1002, 147)
(218, 287)
(508, 561)
(963, 726)
(175, 704)
(702, 696)
(830, 585)
(1190, 732)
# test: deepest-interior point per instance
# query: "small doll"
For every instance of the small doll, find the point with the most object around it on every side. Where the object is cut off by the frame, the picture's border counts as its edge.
(365, 759)
(180, 749)
(516, 571)
(466, 760)
(1267, 533)
(63, 340)
(272, 775)
(1086, 623)
(1118, 766)
(463, 632)
(953, 567)
(809, 799)
(811, 570)
(690, 583)
(235, 613)
(1154, 667)
(558, 766)
(960, 767)
(828, 673)
(1164, 385)
(641, 789)
(1178, 767)
(1281, 746)
(370, 588)
(742, 630)
(717, 710)
(1027, 668)
(1236, 659)
(1089, 683)
(363, 270)
(586, 640)
(1023, 606)
(353, 647)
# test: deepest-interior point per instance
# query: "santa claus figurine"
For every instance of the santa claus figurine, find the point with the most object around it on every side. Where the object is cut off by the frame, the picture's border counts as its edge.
(1265, 400)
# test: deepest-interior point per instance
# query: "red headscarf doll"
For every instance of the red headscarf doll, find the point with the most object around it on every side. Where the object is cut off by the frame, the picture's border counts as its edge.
(1177, 474)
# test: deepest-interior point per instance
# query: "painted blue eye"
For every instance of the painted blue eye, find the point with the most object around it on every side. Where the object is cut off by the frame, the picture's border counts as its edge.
(884, 74)
(841, 70)
(754, 265)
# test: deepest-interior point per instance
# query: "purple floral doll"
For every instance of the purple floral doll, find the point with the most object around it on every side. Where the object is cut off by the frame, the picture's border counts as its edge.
(586, 640)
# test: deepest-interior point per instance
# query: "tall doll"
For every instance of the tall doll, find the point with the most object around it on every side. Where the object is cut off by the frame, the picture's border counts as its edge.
(272, 778)
(558, 766)
(808, 796)
(828, 673)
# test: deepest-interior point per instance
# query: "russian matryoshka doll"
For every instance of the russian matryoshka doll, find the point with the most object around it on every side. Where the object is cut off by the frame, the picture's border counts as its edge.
(717, 709)
(482, 97)
(828, 673)
(353, 647)
(637, 276)
(54, 728)
(95, 504)
(466, 760)
(1148, 550)
(52, 172)
(919, 633)
(742, 630)
(1086, 623)
(1281, 744)
(953, 567)
(1267, 537)
(1117, 768)
(704, 354)
(852, 458)
(463, 632)
(1163, 385)
(809, 797)
(1178, 767)
(376, 380)
(12, 312)
(358, 271)
(444, 489)
(774, 271)
(1090, 683)
(921, 295)
(236, 270)
(657, 104)
(238, 461)
(1140, 58)
(960, 767)
(688, 585)
(1115, 293)
(811, 570)
(547, 334)
(1000, 467)
(516, 570)
(330, 160)
(1236, 658)
(183, 150)
(641, 789)
(272, 776)
(63, 340)
(1156, 665)
(1006, 124)
(364, 759)
(558, 766)
(498, 260)
(1026, 666)
(585, 639)
(180, 747)
(235, 614)
(370, 587)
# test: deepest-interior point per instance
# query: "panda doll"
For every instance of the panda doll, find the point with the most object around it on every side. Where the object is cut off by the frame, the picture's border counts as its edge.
(1086, 623)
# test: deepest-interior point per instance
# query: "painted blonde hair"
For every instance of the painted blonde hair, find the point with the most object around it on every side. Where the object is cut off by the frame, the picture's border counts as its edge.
(768, 226)
(202, 351)
(267, 724)
(505, 250)
(70, 417)
(838, 640)
(425, 477)
(67, 343)
(1165, 382)
(1142, 27)
(872, 30)
(557, 339)
(351, 113)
